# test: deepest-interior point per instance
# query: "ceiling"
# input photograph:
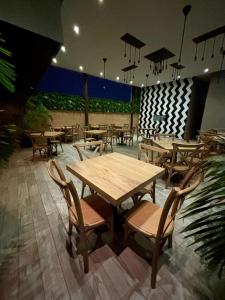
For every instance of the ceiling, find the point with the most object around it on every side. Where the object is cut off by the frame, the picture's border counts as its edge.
(158, 23)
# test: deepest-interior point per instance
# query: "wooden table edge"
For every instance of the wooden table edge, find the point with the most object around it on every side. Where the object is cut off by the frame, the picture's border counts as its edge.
(105, 195)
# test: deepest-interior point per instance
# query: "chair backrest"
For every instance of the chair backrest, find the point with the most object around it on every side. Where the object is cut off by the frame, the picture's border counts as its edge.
(148, 152)
(68, 190)
(173, 201)
(81, 146)
(184, 153)
(38, 138)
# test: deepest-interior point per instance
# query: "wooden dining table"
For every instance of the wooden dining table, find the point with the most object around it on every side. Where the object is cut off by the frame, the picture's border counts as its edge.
(49, 134)
(115, 176)
(168, 144)
(97, 133)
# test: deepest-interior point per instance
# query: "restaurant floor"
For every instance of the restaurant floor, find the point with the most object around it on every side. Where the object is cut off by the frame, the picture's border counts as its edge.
(34, 262)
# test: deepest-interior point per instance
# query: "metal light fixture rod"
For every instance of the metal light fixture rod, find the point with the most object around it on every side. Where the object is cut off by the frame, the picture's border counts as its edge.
(186, 11)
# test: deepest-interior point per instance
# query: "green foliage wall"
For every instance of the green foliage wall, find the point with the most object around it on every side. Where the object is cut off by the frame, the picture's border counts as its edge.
(55, 101)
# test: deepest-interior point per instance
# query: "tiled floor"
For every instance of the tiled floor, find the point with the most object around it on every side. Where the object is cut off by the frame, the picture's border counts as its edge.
(34, 263)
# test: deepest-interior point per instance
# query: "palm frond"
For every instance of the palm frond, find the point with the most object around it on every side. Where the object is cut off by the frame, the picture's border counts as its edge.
(208, 205)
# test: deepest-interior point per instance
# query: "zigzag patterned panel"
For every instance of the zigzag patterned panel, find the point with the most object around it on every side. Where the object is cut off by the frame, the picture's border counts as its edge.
(170, 100)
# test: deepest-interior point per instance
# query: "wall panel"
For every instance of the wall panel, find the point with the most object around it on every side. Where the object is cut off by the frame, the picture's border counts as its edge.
(171, 102)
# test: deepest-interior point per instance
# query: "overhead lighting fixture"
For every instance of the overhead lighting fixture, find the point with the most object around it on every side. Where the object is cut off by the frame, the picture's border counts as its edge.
(117, 78)
(81, 68)
(63, 48)
(206, 70)
(178, 77)
(54, 60)
(100, 1)
(158, 81)
(131, 82)
(76, 29)
(142, 85)
(101, 73)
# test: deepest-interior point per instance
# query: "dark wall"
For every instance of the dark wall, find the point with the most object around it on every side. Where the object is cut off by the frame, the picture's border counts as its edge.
(32, 54)
(69, 82)
(197, 106)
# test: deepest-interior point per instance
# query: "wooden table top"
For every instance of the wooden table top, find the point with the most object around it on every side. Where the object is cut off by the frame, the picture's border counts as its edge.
(115, 176)
(49, 134)
(168, 144)
(96, 132)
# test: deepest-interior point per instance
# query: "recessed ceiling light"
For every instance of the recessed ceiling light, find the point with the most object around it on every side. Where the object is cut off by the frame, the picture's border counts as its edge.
(117, 78)
(81, 68)
(131, 82)
(158, 81)
(101, 73)
(142, 85)
(206, 70)
(100, 1)
(76, 29)
(63, 48)
(54, 60)
(178, 77)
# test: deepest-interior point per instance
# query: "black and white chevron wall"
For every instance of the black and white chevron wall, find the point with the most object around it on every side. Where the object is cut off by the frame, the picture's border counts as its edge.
(170, 101)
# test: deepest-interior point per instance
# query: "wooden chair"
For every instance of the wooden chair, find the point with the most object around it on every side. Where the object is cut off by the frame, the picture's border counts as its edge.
(157, 223)
(56, 142)
(84, 214)
(83, 155)
(68, 136)
(40, 144)
(107, 139)
(184, 156)
(148, 154)
(86, 137)
(129, 136)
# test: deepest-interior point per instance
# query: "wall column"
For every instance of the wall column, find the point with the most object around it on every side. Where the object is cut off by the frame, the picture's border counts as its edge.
(86, 99)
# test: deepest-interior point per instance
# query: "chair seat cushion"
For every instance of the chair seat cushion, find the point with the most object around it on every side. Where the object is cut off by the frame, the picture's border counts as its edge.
(89, 139)
(145, 218)
(95, 211)
(177, 167)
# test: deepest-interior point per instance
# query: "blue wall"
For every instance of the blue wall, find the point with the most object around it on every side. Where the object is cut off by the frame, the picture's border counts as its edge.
(63, 81)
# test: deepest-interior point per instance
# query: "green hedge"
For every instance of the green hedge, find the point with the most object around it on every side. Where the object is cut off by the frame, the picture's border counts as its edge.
(55, 101)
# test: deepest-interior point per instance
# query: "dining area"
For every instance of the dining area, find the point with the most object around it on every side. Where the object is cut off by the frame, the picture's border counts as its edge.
(112, 150)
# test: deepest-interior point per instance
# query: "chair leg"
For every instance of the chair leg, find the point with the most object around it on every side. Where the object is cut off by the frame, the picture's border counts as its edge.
(153, 192)
(155, 264)
(169, 177)
(61, 147)
(83, 187)
(84, 252)
(170, 241)
(70, 229)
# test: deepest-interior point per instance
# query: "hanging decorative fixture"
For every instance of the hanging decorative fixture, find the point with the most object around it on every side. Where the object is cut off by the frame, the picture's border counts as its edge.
(134, 44)
(207, 36)
(104, 63)
(177, 66)
(158, 60)
(129, 73)
(146, 80)
(176, 70)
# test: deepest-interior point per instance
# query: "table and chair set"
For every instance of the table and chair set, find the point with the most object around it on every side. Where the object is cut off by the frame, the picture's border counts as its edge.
(112, 178)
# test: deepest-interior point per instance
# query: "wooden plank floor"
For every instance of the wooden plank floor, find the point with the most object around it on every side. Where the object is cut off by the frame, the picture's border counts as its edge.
(34, 262)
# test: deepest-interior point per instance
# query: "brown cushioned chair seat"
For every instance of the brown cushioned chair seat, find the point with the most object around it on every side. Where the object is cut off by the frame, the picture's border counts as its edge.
(146, 218)
(89, 139)
(95, 211)
(177, 167)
